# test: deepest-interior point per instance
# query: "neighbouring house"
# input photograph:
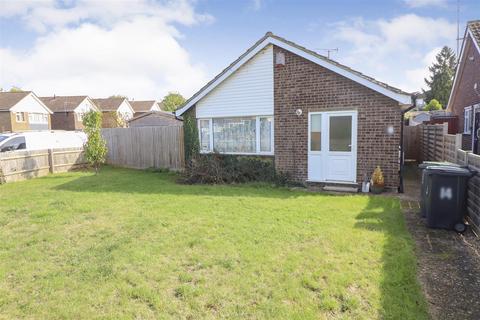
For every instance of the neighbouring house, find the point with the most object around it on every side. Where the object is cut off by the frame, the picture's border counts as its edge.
(22, 111)
(320, 121)
(464, 99)
(418, 117)
(141, 107)
(68, 111)
(155, 119)
(116, 111)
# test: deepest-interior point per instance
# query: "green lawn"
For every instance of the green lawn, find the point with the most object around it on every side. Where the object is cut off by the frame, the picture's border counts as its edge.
(134, 244)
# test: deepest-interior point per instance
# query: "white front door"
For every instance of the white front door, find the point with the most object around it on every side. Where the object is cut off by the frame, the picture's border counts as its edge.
(332, 146)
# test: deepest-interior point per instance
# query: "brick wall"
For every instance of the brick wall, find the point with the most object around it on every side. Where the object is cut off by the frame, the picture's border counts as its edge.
(19, 126)
(63, 121)
(5, 121)
(464, 95)
(301, 84)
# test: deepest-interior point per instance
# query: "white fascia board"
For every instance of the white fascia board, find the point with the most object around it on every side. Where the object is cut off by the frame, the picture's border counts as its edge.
(234, 68)
(401, 98)
(39, 101)
(462, 50)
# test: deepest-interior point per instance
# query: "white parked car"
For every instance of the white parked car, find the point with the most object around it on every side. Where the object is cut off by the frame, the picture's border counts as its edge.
(38, 140)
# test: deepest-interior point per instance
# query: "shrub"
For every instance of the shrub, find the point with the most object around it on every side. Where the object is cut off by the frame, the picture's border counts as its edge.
(95, 147)
(433, 105)
(377, 177)
(225, 169)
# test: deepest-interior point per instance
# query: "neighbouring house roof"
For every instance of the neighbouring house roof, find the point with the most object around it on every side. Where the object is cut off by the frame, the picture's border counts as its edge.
(63, 103)
(108, 104)
(165, 114)
(399, 95)
(142, 106)
(472, 31)
(10, 99)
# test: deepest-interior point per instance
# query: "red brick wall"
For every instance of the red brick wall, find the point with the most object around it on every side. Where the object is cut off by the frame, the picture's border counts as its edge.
(301, 84)
(463, 94)
(63, 121)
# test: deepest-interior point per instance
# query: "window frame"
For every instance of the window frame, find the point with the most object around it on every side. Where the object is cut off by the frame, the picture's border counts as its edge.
(22, 114)
(467, 125)
(257, 136)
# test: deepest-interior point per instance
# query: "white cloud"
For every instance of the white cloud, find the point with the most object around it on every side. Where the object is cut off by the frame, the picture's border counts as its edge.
(137, 53)
(415, 77)
(425, 3)
(256, 5)
(393, 50)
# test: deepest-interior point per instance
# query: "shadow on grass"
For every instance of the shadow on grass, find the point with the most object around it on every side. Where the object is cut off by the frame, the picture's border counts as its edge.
(401, 294)
(118, 180)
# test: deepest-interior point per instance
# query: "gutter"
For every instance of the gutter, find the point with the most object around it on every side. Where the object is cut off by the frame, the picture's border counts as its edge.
(402, 156)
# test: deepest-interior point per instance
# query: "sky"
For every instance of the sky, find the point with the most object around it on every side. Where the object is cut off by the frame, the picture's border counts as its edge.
(144, 49)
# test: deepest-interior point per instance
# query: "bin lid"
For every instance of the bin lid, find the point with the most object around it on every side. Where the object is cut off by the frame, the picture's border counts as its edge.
(448, 170)
(439, 163)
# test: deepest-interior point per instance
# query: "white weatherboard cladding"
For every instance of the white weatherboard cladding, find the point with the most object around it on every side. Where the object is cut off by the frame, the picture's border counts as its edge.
(125, 109)
(84, 107)
(29, 104)
(247, 92)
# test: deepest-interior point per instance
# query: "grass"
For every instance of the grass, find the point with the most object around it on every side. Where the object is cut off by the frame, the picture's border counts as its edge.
(134, 244)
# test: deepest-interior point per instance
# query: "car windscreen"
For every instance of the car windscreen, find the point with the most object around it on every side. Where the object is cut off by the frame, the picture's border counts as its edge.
(3, 138)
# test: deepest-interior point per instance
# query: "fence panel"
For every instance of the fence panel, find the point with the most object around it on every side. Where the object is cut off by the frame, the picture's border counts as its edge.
(411, 142)
(22, 165)
(145, 147)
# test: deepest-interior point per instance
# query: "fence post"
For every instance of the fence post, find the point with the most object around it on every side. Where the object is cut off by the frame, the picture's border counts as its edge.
(51, 161)
(458, 145)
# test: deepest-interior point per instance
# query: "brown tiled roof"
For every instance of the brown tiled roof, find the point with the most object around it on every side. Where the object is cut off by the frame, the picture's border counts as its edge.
(10, 99)
(165, 114)
(142, 106)
(62, 103)
(270, 34)
(108, 104)
(474, 27)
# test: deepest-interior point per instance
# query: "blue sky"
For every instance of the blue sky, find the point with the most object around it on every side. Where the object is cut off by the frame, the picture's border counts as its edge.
(144, 49)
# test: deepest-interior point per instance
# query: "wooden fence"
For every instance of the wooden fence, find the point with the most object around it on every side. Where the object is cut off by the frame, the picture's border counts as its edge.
(146, 147)
(21, 165)
(411, 142)
(438, 145)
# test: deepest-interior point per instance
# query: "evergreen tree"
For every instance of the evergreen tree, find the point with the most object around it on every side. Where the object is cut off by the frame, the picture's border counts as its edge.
(440, 81)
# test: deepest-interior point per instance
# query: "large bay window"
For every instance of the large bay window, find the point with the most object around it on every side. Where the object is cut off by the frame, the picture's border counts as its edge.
(237, 135)
(38, 118)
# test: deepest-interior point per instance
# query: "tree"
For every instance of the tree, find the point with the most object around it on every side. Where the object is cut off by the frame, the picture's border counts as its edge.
(442, 72)
(95, 147)
(172, 101)
(119, 96)
(15, 89)
(433, 105)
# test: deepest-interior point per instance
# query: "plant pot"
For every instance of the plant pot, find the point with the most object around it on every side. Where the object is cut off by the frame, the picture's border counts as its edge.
(376, 189)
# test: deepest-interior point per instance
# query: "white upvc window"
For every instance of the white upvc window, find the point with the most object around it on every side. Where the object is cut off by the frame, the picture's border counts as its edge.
(20, 116)
(467, 120)
(39, 118)
(237, 135)
(79, 116)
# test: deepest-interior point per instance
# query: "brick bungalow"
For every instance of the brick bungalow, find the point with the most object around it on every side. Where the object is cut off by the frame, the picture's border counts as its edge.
(115, 111)
(320, 121)
(141, 107)
(68, 111)
(23, 111)
(464, 99)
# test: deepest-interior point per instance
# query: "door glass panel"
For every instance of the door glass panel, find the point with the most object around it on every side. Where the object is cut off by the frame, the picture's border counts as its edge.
(340, 133)
(316, 132)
